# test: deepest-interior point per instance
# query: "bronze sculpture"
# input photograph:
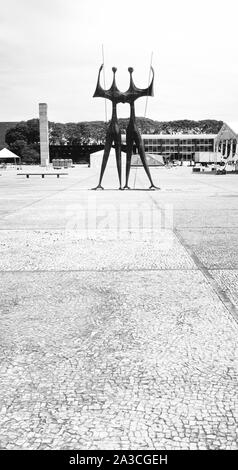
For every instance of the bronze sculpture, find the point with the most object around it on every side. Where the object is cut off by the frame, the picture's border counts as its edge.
(132, 131)
(113, 131)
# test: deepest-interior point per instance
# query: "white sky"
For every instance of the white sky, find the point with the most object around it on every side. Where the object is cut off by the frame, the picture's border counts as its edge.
(50, 51)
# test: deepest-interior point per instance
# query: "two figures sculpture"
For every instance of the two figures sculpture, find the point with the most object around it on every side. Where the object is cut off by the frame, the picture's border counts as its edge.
(113, 134)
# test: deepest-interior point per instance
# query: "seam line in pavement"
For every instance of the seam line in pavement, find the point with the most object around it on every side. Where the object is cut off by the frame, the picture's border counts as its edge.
(180, 227)
(229, 305)
(222, 295)
(95, 270)
(113, 270)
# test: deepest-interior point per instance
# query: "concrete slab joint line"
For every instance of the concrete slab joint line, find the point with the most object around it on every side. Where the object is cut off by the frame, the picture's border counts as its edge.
(229, 305)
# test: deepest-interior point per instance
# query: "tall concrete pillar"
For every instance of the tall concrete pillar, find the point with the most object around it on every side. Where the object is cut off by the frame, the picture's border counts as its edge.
(44, 135)
(236, 156)
(231, 150)
(221, 147)
(226, 149)
(236, 151)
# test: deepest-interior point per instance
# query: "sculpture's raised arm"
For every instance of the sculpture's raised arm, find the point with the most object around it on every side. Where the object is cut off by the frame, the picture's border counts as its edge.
(149, 91)
(151, 86)
(112, 94)
(99, 92)
(134, 92)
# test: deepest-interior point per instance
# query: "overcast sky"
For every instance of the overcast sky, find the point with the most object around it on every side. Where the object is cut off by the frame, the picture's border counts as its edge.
(50, 51)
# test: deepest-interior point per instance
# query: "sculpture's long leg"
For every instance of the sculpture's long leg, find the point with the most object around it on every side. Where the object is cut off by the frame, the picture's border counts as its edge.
(118, 156)
(142, 154)
(108, 146)
(129, 149)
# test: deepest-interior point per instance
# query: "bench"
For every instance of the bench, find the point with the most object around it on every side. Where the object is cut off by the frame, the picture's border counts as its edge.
(42, 174)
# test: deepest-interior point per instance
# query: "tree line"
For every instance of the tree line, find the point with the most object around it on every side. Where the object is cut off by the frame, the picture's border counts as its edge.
(24, 138)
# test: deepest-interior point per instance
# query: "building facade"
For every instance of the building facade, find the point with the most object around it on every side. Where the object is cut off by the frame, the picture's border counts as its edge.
(180, 147)
(183, 147)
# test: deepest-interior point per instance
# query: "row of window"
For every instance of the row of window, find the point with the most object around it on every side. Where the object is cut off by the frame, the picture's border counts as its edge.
(180, 146)
(178, 142)
(157, 149)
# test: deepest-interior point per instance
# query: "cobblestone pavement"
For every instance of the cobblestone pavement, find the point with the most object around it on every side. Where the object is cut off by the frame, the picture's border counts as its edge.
(110, 343)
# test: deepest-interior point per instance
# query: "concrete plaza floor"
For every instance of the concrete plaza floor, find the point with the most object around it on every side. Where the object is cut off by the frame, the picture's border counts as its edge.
(119, 311)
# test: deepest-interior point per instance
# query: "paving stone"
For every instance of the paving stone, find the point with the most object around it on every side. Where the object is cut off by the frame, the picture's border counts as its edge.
(115, 339)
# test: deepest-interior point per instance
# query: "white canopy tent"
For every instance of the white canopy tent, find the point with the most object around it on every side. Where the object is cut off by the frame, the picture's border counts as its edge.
(7, 155)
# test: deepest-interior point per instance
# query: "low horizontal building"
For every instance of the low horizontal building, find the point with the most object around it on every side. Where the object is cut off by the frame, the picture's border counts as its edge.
(183, 147)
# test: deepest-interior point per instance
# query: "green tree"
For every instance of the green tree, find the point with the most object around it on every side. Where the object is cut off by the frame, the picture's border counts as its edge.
(27, 131)
(23, 140)
(56, 133)
(73, 133)
(29, 153)
(19, 132)
(18, 147)
(33, 131)
(86, 132)
(30, 156)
